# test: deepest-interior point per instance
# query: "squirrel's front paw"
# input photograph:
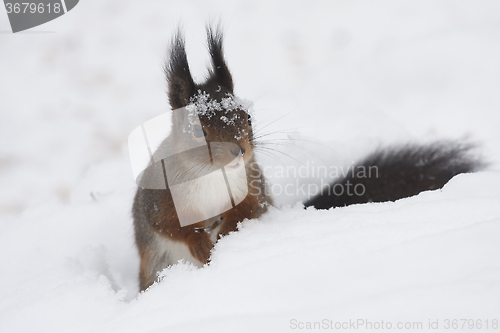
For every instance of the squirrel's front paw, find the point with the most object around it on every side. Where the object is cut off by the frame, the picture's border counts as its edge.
(200, 246)
(227, 227)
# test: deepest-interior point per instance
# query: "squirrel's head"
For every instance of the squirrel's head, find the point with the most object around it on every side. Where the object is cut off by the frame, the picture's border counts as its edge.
(208, 112)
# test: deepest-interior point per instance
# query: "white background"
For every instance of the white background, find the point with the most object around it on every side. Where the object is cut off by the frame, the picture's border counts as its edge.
(341, 78)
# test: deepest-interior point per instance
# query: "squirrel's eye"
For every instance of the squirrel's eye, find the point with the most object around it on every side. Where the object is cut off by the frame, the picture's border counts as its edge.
(249, 121)
(198, 131)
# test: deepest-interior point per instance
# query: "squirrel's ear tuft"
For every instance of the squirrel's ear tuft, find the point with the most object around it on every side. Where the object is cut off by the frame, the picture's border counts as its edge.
(219, 74)
(180, 83)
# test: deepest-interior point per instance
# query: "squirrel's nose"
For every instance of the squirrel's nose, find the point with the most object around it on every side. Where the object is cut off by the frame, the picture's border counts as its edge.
(236, 151)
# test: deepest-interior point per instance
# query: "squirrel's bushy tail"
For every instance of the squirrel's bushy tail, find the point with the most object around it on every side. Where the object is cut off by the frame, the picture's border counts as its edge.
(400, 172)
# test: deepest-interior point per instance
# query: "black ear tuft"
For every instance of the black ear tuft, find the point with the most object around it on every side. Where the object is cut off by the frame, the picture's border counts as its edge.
(180, 83)
(219, 74)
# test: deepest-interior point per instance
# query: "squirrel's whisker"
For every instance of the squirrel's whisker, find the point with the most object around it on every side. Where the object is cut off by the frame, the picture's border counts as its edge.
(287, 155)
(270, 155)
(291, 145)
(272, 122)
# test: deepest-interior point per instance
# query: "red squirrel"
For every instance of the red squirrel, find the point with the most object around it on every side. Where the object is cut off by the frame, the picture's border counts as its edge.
(225, 126)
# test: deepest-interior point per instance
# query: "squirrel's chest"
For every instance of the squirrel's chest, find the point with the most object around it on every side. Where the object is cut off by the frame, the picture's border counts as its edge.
(211, 195)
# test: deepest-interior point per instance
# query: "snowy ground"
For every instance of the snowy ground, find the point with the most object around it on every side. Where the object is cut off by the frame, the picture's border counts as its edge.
(342, 77)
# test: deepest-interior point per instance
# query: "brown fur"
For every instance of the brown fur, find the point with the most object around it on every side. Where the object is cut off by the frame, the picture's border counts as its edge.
(154, 212)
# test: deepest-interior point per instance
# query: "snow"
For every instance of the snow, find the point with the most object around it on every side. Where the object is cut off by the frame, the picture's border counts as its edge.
(202, 104)
(330, 82)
